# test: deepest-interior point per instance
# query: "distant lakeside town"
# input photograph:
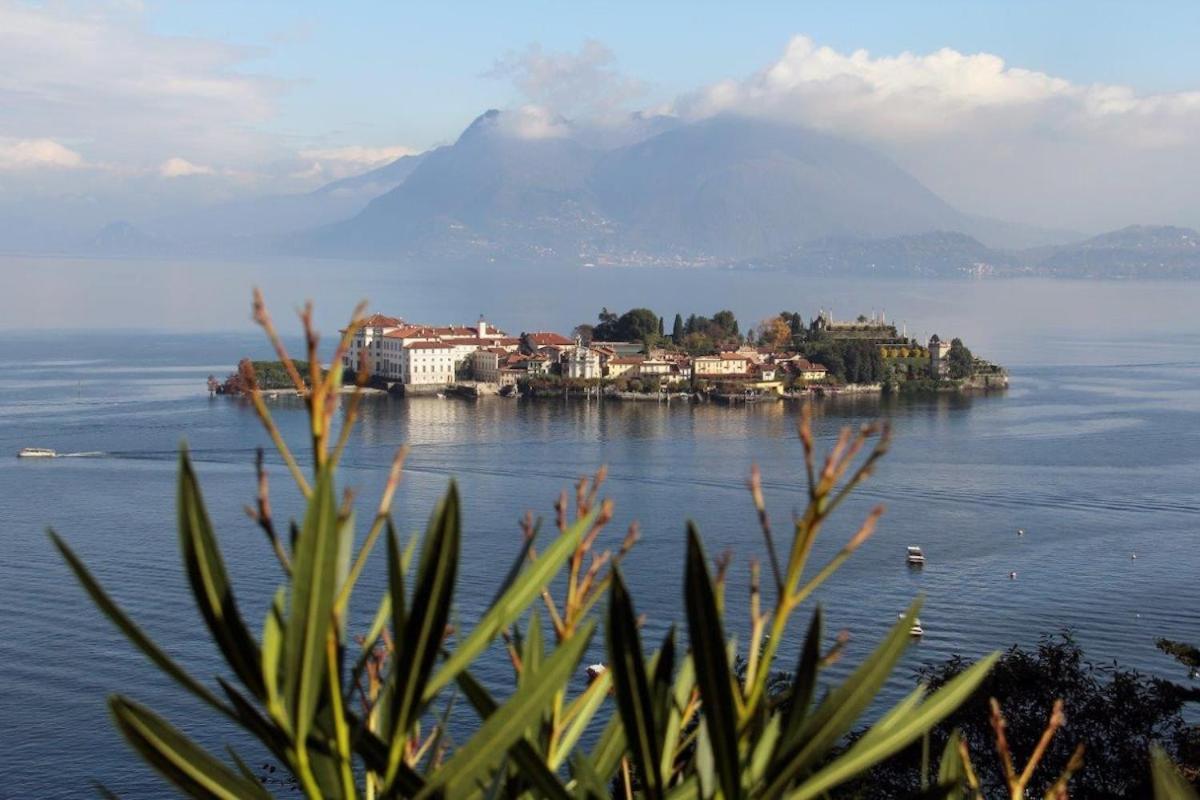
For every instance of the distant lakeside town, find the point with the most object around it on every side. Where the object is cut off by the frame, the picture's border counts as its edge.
(632, 356)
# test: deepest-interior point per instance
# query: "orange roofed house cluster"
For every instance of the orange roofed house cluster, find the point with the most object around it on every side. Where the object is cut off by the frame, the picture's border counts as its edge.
(398, 352)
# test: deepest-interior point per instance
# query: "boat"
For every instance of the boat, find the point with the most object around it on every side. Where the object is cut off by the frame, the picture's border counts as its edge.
(36, 452)
(915, 629)
(915, 556)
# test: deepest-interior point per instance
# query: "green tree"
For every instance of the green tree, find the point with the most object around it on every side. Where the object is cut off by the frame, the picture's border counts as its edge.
(725, 325)
(677, 330)
(961, 362)
(636, 324)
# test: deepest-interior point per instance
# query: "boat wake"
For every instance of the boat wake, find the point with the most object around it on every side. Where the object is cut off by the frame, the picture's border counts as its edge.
(89, 454)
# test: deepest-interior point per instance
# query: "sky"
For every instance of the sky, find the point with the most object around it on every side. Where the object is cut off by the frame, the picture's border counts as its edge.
(1080, 115)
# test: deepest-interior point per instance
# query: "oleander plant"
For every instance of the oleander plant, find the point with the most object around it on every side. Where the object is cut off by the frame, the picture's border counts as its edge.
(368, 713)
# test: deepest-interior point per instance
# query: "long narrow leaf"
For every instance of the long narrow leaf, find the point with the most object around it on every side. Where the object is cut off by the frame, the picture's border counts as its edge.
(1168, 783)
(314, 566)
(903, 730)
(712, 667)
(210, 583)
(507, 725)
(841, 708)
(634, 700)
(425, 625)
(527, 760)
(803, 685)
(181, 761)
(511, 604)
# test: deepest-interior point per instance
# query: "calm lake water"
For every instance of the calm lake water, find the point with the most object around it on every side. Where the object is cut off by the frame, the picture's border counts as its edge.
(1095, 452)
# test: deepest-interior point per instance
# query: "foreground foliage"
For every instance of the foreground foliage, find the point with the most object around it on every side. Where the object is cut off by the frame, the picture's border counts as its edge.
(1117, 715)
(367, 715)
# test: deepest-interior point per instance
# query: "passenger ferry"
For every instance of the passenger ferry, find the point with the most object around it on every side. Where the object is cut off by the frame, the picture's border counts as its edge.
(36, 452)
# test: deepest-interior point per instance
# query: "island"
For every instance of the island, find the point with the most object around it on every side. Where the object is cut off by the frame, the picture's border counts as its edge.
(630, 356)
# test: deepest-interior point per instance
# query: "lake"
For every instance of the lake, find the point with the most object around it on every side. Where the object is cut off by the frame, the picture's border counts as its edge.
(1095, 452)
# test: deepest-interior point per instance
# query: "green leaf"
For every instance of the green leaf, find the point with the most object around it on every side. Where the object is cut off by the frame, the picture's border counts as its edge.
(1168, 783)
(841, 708)
(634, 700)
(804, 685)
(507, 725)
(952, 772)
(592, 699)
(529, 761)
(185, 764)
(898, 731)
(606, 756)
(511, 604)
(272, 657)
(424, 626)
(685, 682)
(210, 583)
(588, 783)
(712, 667)
(314, 581)
(132, 632)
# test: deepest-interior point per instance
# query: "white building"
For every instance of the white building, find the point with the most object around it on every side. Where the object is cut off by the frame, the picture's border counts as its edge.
(427, 363)
(582, 362)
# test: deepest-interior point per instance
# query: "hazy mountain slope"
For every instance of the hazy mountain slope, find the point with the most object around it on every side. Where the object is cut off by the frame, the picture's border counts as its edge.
(258, 221)
(1136, 251)
(733, 187)
(490, 190)
(937, 254)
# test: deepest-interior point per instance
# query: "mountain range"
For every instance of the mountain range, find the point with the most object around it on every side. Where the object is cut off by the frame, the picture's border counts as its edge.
(726, 191)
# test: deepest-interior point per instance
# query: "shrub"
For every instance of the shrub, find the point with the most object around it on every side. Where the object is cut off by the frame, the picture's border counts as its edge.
(350, 717)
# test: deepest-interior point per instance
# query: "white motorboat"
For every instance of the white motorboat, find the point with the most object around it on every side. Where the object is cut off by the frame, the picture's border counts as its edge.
(915, 629)
(915, 556)
(36, 452)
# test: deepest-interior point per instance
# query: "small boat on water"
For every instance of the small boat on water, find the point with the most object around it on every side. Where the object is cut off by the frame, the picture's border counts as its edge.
(36, 452)
(915, 630)
(915, 556)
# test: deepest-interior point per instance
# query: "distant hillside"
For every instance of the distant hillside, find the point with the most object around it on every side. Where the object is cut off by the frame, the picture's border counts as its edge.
(256, 223)
(706, 192)
(939, 254)
(1138, 251)
(1134, 252)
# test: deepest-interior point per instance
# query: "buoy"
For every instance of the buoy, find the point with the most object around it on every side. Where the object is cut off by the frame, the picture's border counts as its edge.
(1133, 556)
(1012, 576)
(1020, 531)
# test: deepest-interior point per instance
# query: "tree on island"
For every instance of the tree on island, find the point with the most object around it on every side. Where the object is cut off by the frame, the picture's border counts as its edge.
(962, 363)
(632, 326)
(677, 330)
(585, 333)
(774, 332)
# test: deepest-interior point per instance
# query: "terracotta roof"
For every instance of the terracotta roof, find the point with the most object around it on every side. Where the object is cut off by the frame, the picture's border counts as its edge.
(808, 366)
(410, 331)
(381, 321)
(428, 346)
(627, 360)
(543, 338)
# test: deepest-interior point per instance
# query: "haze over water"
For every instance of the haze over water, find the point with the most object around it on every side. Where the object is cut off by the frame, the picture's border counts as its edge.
(1095, 452)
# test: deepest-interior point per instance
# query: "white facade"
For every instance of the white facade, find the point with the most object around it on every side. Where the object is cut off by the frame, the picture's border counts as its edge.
(582, 362)
(428, 363)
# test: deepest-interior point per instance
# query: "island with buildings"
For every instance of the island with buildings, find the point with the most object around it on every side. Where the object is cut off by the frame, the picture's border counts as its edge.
(630, 356)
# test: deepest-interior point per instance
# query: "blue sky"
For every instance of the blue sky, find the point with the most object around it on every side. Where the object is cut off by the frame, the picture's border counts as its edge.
(414, 72)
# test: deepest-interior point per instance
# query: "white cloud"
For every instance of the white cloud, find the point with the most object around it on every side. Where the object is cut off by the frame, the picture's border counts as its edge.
(22, 154)
(96, 75)
(359, 155)
(177, 167)
(911, 95)
(994, 138)
(533, 122)
(582, 84)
